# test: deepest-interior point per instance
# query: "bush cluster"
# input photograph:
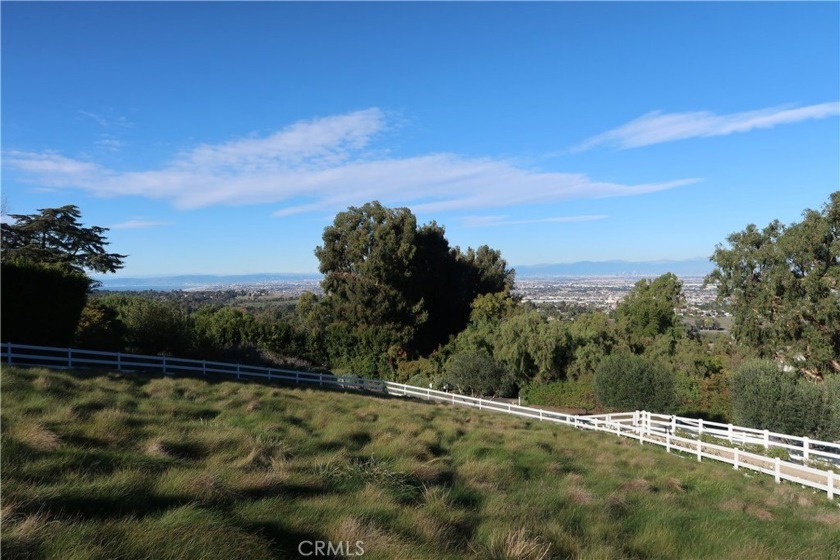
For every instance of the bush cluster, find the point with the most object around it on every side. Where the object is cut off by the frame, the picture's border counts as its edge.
(765, 396)
(628, 382)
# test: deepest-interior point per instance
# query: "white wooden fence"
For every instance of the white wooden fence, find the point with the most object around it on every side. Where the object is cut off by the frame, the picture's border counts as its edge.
(802, 450)
(814, 468)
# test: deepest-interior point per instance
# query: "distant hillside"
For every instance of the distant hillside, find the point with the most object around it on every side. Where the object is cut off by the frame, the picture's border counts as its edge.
(206, 281)
(690, 267)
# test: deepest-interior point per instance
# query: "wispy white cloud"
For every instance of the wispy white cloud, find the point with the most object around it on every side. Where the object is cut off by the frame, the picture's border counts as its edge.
(492, 221)
(138, 224)
(107, 120)
(323, 165)
(110, 144)
(657, 127)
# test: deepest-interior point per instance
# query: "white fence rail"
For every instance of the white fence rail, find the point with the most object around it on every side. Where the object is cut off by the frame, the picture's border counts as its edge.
(672, 432)
(800, 449)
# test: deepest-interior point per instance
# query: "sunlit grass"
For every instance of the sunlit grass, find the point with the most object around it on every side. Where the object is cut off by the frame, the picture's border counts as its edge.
(120, 466)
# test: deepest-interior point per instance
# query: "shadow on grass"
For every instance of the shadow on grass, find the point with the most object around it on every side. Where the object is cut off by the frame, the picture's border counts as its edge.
(286, 542)
(140, 378)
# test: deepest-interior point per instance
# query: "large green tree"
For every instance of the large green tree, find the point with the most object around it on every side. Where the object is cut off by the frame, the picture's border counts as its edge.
(55, 236)
(648, 311)
(369, 279)
(396, 288)
(782, 284)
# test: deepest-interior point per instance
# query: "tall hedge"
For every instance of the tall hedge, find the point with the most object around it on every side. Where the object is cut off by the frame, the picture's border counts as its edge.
(765, 396)
(41, 303)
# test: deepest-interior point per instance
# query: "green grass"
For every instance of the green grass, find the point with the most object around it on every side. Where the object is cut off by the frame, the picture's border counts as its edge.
(120, 466)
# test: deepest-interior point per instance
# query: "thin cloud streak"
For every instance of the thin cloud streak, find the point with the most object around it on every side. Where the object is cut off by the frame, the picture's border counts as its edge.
(324, 164)
(657, 127)
(138, 224)
(493, 221)
(107, 121)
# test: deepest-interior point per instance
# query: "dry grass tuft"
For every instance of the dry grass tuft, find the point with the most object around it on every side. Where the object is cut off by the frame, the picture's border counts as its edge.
(353, 529)
(758, 512)
(637, 485)
(517, 544)
(486, 476)
(431, 472)
(261, 482)
(436, 496)
(433, 530)
(788, 494)
(675, 485)
(30, 529)
(574, 479)
(267, 452)
(252, 406)
(733, 504)
(159, 449)
(48, 381)
(208, 487)
(580, 496)
(832, 518)
(367, 416)
(37, 435)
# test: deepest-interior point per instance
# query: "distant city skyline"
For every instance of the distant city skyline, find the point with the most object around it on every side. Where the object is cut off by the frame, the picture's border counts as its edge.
(221, 138)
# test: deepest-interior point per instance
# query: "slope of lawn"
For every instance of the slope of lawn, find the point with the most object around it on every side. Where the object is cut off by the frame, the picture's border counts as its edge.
(106, 465)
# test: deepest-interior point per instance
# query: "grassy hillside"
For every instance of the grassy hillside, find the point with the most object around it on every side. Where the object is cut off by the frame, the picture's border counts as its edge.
(123, 466)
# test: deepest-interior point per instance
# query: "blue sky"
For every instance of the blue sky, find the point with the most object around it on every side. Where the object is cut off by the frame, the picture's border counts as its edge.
(223, 137)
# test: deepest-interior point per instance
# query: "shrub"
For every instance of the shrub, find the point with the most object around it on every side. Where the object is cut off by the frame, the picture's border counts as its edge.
(629, 382)
(154, 327)
(41, 303)
(477, 373)
(765, 396)
(100, 328)
(577, 393)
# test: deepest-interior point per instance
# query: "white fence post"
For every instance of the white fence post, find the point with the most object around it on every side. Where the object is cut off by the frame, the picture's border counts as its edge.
(8, 352)
(540, 415)
(119, 361)
(699, 428)
(237, 371)
(297, 378)
(766, 439)
(778, 470)
(830, 476)
(674, 425)
(320, 379)
(428, 394)
(69, 357)
(668, 442)
(269, 374)
(729, 435)
(735, 464)
(805, 449)
(699, 450)
(204, 367)
(164, 364)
